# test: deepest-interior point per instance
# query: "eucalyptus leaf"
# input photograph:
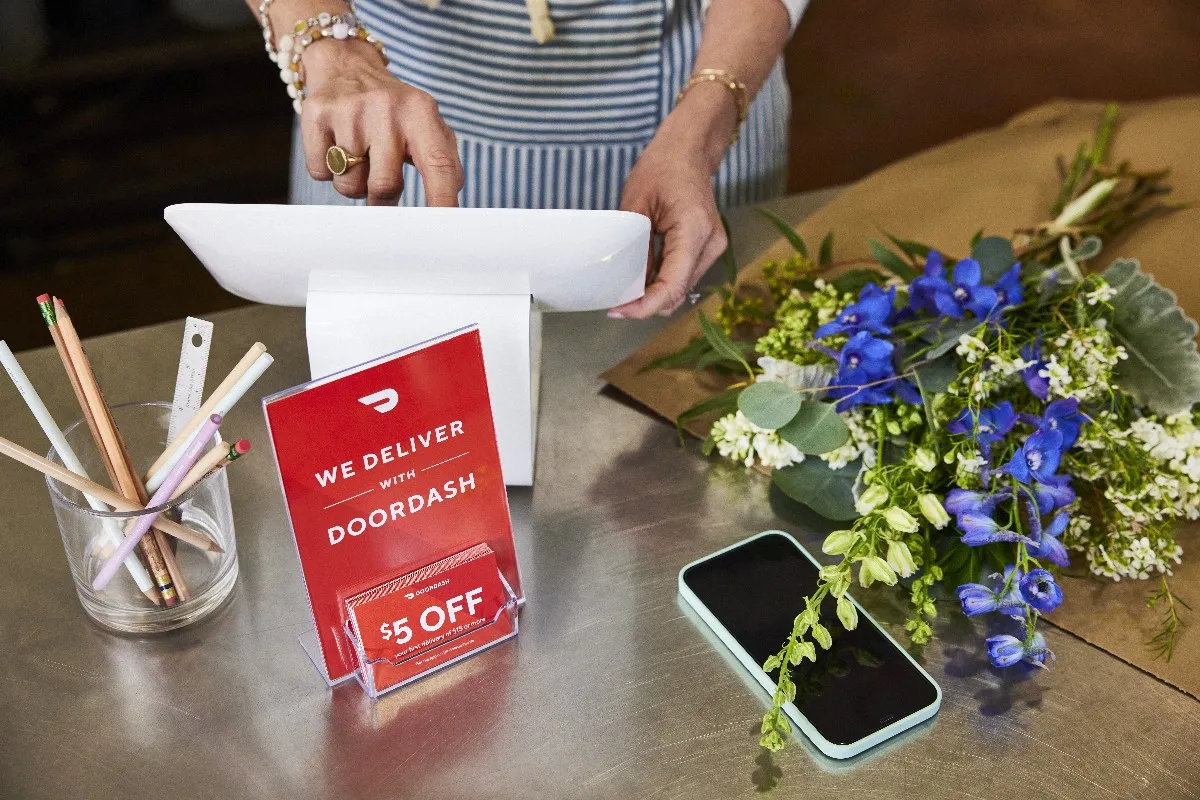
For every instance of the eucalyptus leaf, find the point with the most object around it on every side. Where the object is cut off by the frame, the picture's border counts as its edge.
(828, 492)
(1163, 368)
(721, 342)
(995, 257)
(894, 263)
(769, 404)
(815, 429)
(826, 257)
(787, 231)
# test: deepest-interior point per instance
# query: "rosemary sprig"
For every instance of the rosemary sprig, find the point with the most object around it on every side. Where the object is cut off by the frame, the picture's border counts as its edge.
(1163, 643)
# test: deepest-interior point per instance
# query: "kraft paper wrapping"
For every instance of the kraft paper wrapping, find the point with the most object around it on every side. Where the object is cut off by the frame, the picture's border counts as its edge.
(1004, 179)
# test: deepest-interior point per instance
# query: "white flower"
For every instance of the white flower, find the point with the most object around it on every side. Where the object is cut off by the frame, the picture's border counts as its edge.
(924, 459)
(971, 348)
(738, 439)
(871, 499)
(1101, 294)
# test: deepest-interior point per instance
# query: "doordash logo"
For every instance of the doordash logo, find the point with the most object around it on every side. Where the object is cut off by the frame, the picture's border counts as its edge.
(382, 402)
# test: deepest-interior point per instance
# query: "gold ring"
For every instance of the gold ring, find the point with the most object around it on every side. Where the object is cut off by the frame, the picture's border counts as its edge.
(338, 160)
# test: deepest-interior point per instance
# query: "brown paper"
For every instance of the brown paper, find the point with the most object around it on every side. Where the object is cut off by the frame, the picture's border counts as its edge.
(1001, 180)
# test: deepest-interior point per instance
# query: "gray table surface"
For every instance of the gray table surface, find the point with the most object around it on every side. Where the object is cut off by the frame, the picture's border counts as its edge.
(611, 689)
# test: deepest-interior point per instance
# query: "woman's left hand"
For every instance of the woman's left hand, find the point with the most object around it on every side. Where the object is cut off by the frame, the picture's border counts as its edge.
(671, 183)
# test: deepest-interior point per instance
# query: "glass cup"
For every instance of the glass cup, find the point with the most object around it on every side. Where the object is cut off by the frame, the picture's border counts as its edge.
(88, 535)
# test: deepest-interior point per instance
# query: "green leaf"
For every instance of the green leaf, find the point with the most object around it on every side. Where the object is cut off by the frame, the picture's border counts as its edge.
(723, 403)
(995, 257)
(722, 344)
(944, 336)
(728, 262)
(1089, 248)
(910, 248)
(708, 446)
(689, 356)
(828, 492)
(854, 280)
(935, 375)
(1163, 368)
(826, 257)
(787, 231)
(977, 238)
(891, 261)
(715, 359)
(769, 404)
(815, 429)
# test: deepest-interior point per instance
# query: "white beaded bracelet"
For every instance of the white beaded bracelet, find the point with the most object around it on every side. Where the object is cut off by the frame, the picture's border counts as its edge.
(287, 52)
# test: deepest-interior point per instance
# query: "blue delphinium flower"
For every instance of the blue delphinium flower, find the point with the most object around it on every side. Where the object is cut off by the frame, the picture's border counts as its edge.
(1063, 416)
(1055, 493)
(978, 599)
(1048, 546)
(967, 293)
(925, 287)
(1040, 591)
(980, 529)
(993, 424)
(1038, 457)
(1005, 650)
(865, 362)
(1038, 384)
(1008, 288)
(870, 313)
(964, 501)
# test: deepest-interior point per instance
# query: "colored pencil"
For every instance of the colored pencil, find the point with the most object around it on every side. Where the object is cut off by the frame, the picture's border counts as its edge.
(159, 468)
(111, 532)
(95, 411)
(137, 530)
(219, 456)
(101, 493)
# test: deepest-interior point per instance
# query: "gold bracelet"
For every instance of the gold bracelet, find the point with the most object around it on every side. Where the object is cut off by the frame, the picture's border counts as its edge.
(731, 83)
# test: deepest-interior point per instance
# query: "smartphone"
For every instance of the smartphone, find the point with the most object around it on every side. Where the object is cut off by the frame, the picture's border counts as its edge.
(862, 691)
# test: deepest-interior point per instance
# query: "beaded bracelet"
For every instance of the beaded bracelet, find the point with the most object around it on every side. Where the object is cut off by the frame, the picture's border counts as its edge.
(290, 47)
(731, 83)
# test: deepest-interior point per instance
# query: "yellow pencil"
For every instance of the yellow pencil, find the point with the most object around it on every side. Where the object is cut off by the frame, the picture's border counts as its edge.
(150, 551)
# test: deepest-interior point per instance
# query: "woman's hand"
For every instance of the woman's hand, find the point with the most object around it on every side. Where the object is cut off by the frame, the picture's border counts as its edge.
(671, 183)
(354, 102)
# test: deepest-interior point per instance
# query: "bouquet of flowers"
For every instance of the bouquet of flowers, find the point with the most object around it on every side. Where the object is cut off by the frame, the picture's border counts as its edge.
(979, 420)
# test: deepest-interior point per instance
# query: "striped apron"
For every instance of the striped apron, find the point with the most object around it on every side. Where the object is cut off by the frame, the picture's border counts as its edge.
(558, 125)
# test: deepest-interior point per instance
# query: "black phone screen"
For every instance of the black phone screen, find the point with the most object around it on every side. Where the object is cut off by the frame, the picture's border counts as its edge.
(858, 686)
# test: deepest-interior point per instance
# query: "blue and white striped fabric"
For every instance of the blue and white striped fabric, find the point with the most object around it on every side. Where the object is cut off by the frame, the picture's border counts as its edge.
(559, 125)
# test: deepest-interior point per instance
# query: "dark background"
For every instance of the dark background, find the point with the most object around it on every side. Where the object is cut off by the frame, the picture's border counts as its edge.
(112, 109)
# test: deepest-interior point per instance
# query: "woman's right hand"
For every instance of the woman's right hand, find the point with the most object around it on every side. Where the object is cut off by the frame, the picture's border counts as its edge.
(354, 102)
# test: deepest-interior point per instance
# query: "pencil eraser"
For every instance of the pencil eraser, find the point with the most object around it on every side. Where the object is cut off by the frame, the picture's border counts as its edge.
(43, 298)
(242, 447)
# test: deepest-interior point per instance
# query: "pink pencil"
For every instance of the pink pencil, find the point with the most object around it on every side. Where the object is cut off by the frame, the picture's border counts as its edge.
(138, 529)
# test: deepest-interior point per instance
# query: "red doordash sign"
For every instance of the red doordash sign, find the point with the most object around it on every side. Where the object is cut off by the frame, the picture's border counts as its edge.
(388, 468)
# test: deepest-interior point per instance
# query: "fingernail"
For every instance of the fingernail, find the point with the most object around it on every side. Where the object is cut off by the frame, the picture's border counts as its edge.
(615, 315)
